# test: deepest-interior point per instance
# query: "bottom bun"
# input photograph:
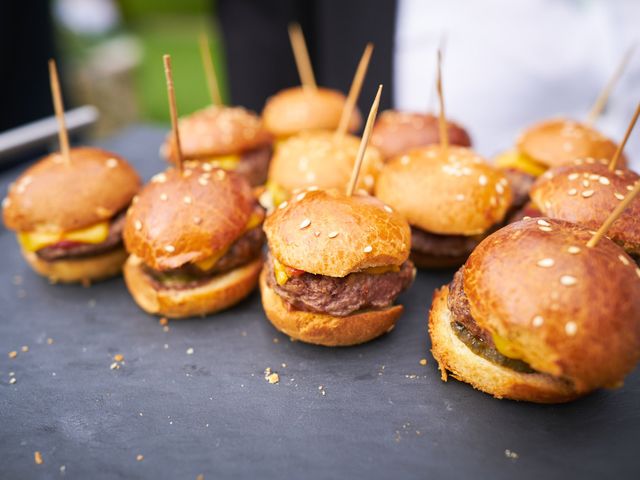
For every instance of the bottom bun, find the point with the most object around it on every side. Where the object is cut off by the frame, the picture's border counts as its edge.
(323, 329)
(83, 270)
(425, 260)
(221, 292)
(454, 356)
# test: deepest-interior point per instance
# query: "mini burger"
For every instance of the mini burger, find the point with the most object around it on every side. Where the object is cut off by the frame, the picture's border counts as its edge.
(398, 132)
(194, 240)
(69, 214)
(231, 138)
(451, 198)
(537, 315)
(336, 264)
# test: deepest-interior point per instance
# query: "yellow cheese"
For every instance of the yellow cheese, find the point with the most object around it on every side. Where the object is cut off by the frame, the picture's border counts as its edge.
(33, 241)
(520, 161)
(278, 194)
(381, 270)
(226, 162)
(254, 221)
(505, 347)
(280, 271)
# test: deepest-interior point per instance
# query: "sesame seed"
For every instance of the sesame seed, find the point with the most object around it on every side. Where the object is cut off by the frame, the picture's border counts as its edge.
(12, 380)
(169, 248)
(197, 220)
(542, 222)
(190, 351)
(316, 233)
(482, 180)
(187, 200)
(163, 197)
(305, 223)
(585, 183)
(629, 187)
(207, 167)
(545, 229)
(638, 272)
(573, 249)
(388, 209)
(332, 234)
(590, 160)
(587, 193)
(573, 192)
(405, 159)
(283, 205)
(570, 328)
(623, 259)
(159, 178)
(137, 225)
(368, 249)
(618, 173)
(573, 176)
(499, 188)
(504, 181)
(221, 174)
(546, 262)
(568, 280)
(112, 163)
(619, 196)
(594, 176)
(139, 457)
(301, 195)
(203, 181)
(604, 181)
(460, 197)
(537, 321)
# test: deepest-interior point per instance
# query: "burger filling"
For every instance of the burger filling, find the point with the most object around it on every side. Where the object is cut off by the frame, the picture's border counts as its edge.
(449, 246)
(480, 341)
(253, 164)
(373, 288)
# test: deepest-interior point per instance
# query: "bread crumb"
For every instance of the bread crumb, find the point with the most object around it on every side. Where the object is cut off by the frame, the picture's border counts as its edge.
(139, 457)
(114, 366)
(273, 378)
(510, 454)
(13, 354)
(423, 361)
(164, 321)
(12, 380)
(190, 351)
(49, 341)
(118, 357)
(24, 348)
(37, 457)
(200, 477)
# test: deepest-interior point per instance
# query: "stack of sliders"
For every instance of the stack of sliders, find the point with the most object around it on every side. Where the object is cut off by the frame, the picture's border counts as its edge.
(231, 138)
(586, 190)
(336, 264)
(307, 107)
(68, 209)
(194, 237)
(450, 196)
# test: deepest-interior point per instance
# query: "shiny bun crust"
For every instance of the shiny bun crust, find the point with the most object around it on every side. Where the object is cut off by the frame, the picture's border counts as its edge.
(217, 130)
(322, 329)
(567, 310)
(586, 193)
(321, 159)
(558, 142)
(454, 194)
(51, 196)
(79, 270)
(221, 292)
(180, 218)
(454, 357)
(397, 132)
(328, 233)
(296, 109)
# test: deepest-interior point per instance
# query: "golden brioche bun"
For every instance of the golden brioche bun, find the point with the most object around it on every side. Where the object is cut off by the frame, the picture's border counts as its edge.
(559, 141)
(586, 193)
(222, 291)
(455, 357)
(295, 109)
(322, 159)
(51, 196)
(79, 270)
(181, 218)
(454, 194)
(215, 131)
(397, 132)
(323, 329)
(565, 309)
(328, 233)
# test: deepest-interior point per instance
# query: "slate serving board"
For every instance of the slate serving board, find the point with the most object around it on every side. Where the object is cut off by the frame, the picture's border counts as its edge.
(371, 411)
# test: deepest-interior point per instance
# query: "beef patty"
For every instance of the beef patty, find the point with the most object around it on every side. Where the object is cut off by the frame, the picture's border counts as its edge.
(254, 165)
(341, 296)
(520, 183)
(428, 243)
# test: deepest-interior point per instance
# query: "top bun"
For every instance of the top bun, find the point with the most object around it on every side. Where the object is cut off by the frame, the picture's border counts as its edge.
(298, 108)
(558, 142)
(397, 132)
(215, 131)
(328, 233)
(565, 309)
(51, 196)
(188, 217)
(449, 194)
(587, 193)
(322, 159)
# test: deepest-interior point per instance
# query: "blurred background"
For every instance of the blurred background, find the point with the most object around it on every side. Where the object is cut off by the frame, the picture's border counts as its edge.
(507, 64)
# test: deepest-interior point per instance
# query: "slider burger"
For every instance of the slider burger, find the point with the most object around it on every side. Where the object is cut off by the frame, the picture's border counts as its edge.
(231, 138)
(298, 109)
(335, 266)
(195, 242)
(536, 315)
(398, 132)
(69, 214)
(451, 198)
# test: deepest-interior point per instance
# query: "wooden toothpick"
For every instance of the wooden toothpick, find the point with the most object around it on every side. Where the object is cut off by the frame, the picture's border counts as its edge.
(602, 99)
(354, 91)
(602, 231)
(364, 142)
(173, 109)
(209, 70)
(442, 46)
(301, 54)
(63, 136)
(616, 156)
(442, 117)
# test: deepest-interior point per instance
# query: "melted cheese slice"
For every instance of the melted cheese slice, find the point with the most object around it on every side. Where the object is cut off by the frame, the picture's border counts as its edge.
(505, 347)
(520, 161)
(34, 241)
(278, 194)
(226, 162)
(283, 273)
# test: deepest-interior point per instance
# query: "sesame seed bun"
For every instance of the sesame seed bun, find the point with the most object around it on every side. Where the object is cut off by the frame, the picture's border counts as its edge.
(567, 310)
(52, 196)
(454, 357)
(295, 109)
(559, 141)
(219, 293)
(328, 233)
(397, 132)
(217, 130)
(322, 159)
(454, 194)
(181, 218)
(327, 330)
(79, 270)
(587, 193)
